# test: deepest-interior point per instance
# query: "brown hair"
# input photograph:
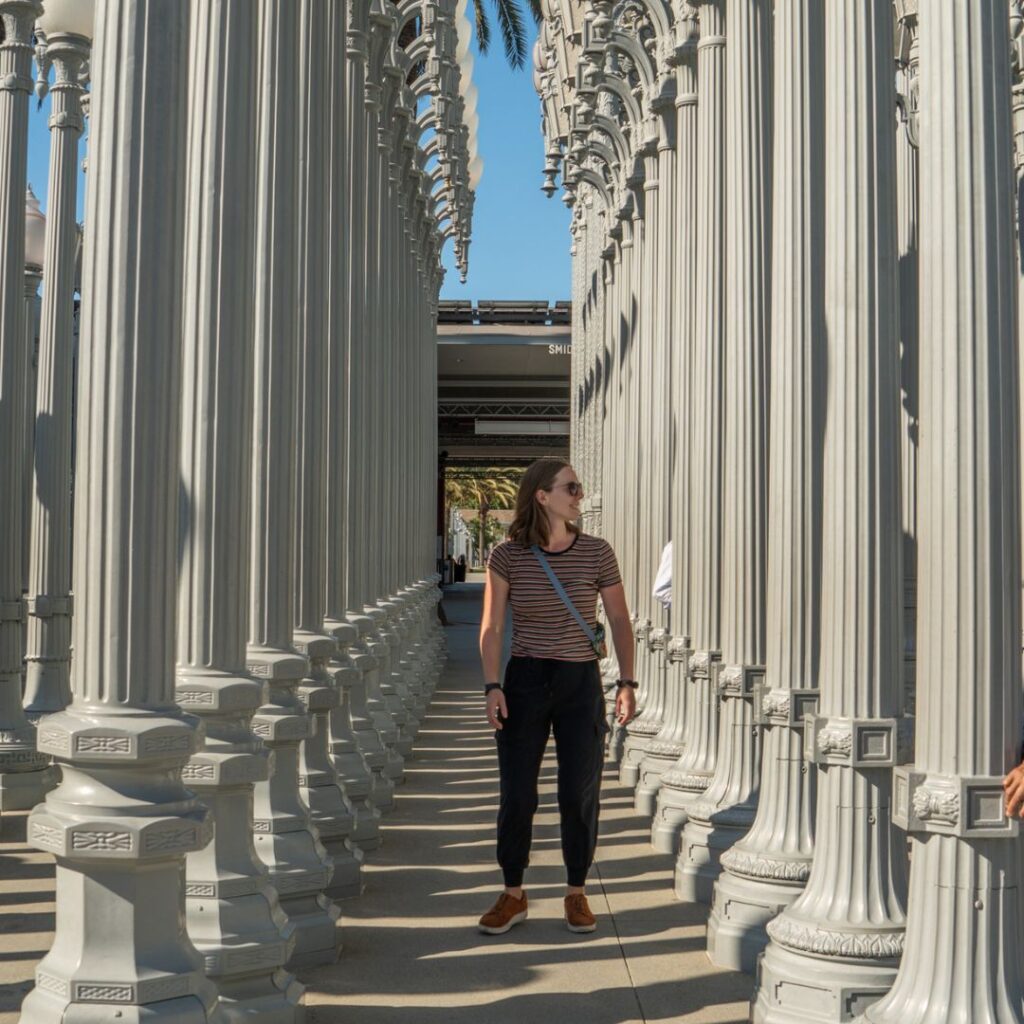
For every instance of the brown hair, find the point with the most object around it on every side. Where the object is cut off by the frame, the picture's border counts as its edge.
(530, 523)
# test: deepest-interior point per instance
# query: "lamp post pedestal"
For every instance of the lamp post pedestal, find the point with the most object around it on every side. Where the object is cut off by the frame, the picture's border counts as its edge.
(329, 808)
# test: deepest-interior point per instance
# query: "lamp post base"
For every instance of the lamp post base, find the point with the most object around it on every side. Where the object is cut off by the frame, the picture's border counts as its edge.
(21, 791)
(740, 911)
(794, 988)
(653, 767)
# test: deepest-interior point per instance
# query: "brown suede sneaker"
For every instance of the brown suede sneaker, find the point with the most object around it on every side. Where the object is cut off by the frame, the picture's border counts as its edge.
(578, 917)
(508, 911)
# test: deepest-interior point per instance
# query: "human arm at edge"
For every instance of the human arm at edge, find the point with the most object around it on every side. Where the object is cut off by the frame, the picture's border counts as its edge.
(492, 630)
(616, 611)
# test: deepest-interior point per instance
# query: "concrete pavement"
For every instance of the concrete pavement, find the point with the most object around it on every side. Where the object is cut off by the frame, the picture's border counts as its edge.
(411, 950)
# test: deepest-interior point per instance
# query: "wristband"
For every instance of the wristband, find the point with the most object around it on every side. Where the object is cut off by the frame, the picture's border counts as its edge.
(491, 686)
(631, 683)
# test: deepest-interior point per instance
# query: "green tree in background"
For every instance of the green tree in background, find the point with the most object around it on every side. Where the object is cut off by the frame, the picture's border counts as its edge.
(494, 531)
(482, 489)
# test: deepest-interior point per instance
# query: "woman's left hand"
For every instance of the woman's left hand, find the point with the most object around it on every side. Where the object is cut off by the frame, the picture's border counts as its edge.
(625, 705)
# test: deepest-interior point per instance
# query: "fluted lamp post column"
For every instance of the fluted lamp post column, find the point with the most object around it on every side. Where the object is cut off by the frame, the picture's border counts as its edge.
(908, 231)
(350, 763)
(233, 912)
(726, 810)
(961, 961)
(416, 389)
(68, 25)
(629, 542)
(380, 381)
(766, 869)
(651, 529)
(835, 949)
(286, 840)
(351, 661)
(21, 767)
(35, 251)
(659, 497)
(401, 397)
(665, 752)
(329, 808)
(121, 821)
(689, 777)
(374, 730)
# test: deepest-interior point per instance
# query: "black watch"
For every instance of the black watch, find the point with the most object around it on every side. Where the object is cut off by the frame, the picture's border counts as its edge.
(631, 683)
(491, 686)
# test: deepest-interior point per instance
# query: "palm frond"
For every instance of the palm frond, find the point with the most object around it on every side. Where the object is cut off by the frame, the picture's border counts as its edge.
(477, 487)
(510, 22)
(513, 35)
(483, 27)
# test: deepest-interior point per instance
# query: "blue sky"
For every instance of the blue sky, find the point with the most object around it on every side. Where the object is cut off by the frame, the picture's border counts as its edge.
(520, 247)
(39, 152)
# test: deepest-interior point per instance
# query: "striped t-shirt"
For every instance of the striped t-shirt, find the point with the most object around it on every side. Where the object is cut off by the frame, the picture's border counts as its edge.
(542, 627)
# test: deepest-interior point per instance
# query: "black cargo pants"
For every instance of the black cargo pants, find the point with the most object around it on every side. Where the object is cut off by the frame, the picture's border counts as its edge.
(541, 694)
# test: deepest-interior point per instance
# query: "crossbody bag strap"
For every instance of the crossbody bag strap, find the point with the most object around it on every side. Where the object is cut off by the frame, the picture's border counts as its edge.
(560, 591)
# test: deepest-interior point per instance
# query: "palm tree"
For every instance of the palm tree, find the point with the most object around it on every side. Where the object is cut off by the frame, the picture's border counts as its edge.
(510, 22)
(483, 490)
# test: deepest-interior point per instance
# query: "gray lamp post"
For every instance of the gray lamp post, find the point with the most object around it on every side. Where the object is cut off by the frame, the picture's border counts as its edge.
(286, 840)
(120, 822)
(353, 658)
(687, 779)
(368, 653)
(766, 870)
(960, 961)
(908, 231)
(835, 949)
(232, 910)
(329, 807)
(20, 764)
(641, 463)
(35, 251)
(726, 810)
(381, 96)
(667, 748)
(351, 763)
(68, 27)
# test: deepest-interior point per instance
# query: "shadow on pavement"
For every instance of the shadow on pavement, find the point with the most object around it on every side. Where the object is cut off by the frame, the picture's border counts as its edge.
(412, 951)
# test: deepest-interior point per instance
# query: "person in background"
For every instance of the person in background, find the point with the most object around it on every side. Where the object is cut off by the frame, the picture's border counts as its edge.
(662, 592)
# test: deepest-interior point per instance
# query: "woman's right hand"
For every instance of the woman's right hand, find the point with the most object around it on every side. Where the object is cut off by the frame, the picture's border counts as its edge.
(497, 709)
(1013, 788)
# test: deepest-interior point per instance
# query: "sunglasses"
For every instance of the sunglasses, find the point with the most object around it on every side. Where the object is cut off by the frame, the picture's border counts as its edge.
(574, 487)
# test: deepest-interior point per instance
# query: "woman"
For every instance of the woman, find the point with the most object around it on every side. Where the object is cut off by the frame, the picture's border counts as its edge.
(552, 680)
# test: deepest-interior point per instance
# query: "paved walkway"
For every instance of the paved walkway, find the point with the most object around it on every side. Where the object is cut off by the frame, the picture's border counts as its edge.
(411, 951)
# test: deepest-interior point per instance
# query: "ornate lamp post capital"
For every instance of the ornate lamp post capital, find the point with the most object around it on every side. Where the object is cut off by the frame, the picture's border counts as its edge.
(69, 56)
(907, 61)
(18, 18)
